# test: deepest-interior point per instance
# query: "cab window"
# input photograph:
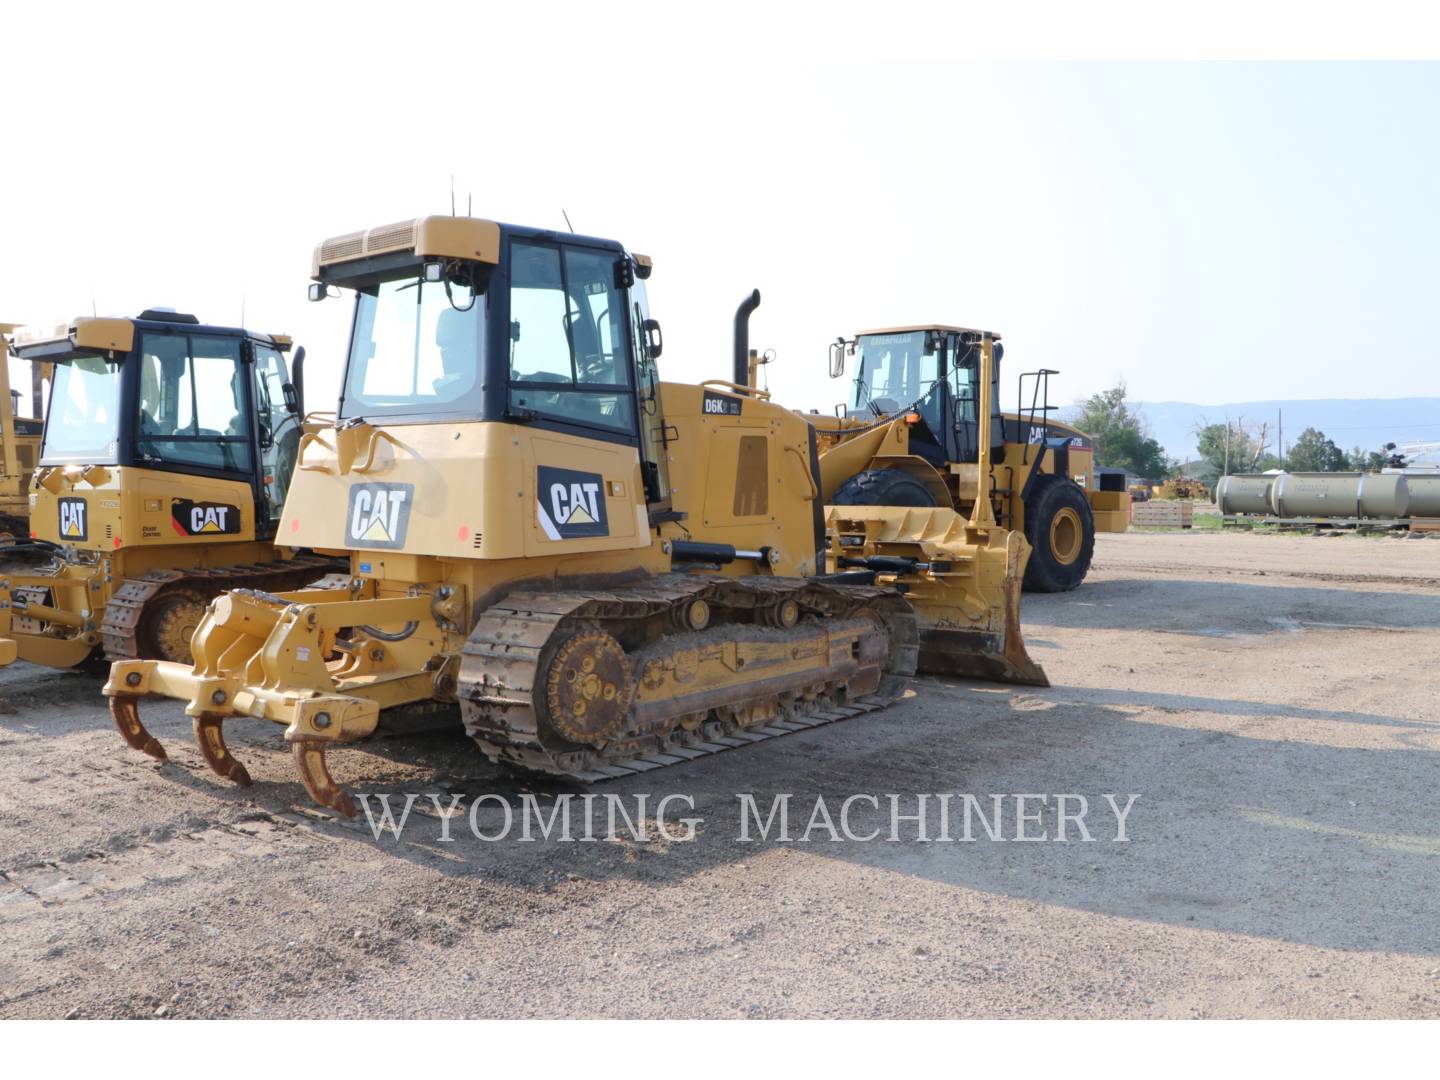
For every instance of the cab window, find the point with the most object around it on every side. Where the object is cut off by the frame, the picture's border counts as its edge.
(279, 427)
(569, 355)
(192, 408)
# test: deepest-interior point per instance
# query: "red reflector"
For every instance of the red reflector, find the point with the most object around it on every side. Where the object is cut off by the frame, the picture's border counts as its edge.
(294, 524)
(464, 532)
(34, 535)
(117, 541)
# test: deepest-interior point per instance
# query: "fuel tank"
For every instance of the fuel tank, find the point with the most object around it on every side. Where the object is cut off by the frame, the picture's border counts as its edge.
(1244, 494)
(1340, 495)
(1424, 495)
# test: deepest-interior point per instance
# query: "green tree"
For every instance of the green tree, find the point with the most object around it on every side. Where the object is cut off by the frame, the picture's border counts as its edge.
(1375, 460)
(1232, 447)
(1313, 452)
(1121, 437)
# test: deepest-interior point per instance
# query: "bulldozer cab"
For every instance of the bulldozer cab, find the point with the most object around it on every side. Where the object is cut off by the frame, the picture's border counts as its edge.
(933, 372)
(166, 393)
(545, 329)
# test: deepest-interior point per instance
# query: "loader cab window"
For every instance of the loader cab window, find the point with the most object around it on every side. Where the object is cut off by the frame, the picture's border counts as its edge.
(84, 413)
(894, 371)
(965, 383)
(415, 350)
(193, 403)
(569, 352)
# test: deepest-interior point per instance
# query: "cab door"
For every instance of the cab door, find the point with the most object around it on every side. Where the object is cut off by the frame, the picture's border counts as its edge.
(278, 432)
(654, 436)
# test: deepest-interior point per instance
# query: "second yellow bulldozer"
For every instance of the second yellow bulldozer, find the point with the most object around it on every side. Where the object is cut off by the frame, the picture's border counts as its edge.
(604, 572)
(19, 450)
(167, 448)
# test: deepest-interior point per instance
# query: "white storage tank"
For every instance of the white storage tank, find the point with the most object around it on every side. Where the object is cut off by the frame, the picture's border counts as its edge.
(1244, 494)
(1424, 494)
(1340, 495)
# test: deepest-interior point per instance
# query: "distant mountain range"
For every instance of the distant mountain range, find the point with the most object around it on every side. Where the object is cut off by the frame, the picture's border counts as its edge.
(1348, 422)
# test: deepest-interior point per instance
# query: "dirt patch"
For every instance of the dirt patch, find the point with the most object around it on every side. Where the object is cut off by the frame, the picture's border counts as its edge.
(1261, 694)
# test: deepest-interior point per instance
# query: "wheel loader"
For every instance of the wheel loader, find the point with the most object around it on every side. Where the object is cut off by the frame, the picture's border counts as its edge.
(162, 471)
(911, 435)
(19, 450)
(604, 572)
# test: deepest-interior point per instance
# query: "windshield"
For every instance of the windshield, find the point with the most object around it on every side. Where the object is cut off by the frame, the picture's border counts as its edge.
(893, 371)
(415, 350)
(84, 416)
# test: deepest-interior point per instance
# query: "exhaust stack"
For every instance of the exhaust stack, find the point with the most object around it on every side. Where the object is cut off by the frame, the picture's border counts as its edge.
(741, 374)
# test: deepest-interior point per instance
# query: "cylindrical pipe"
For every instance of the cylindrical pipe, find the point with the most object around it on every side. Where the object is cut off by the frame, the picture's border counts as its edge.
(1242, 494)
(1424, 495)
(740, 374)
(1340, 495)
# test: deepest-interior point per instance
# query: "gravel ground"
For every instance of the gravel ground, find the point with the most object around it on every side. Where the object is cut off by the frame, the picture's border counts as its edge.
(1265, 697)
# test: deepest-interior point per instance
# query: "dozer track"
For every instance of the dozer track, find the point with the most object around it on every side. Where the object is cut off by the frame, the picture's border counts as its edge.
(139, 615)
(595, 685)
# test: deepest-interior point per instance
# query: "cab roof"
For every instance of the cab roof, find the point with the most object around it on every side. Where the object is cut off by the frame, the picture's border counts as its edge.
(107, 334)
(435, 236)
(939, 327)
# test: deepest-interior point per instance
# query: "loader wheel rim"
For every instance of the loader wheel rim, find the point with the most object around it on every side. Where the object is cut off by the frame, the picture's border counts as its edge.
(1067, 534)
(588, 688)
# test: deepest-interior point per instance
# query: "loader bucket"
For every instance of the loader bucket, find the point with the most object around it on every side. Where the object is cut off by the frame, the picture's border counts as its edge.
(964, 587)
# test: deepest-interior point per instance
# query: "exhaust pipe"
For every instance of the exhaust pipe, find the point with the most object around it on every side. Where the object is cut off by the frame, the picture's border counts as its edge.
(741, 374)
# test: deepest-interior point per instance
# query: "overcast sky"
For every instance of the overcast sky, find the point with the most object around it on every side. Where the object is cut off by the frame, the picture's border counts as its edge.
(1206, 232)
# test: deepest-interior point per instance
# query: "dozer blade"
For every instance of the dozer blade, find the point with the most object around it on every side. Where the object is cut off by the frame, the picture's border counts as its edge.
(981, 654)
(125, 708)
(963, 582)
(212, 747)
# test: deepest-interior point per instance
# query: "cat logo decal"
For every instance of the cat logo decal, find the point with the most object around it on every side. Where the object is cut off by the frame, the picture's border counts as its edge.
(570, 505)
(204, 518)
(379, 515)
(74, 522)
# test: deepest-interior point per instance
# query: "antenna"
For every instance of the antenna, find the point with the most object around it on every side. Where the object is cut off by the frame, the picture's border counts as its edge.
(469, 203)
(452, 194)
(567, 220)
(242, 309)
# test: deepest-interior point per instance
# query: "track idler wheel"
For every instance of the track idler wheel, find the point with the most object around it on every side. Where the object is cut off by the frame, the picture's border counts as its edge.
(588, 688)
(216, 754)
(125, 708)
(310, 760)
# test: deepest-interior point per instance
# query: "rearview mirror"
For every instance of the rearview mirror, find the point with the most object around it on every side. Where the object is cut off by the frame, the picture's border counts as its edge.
(837, 358)
(317, 291)
(654, 340)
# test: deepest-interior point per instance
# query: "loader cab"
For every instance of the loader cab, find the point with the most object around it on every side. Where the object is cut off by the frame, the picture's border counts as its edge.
(931, 372)
(163, 392)
(550, 330)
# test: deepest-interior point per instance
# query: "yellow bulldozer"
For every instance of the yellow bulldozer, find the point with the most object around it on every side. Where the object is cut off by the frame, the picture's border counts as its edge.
(923, 428)
(163, 466)
(19, 450)
(604, 572)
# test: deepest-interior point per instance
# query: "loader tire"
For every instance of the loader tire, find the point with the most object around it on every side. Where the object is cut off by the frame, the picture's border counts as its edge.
(1061, 532)
(883, 487)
